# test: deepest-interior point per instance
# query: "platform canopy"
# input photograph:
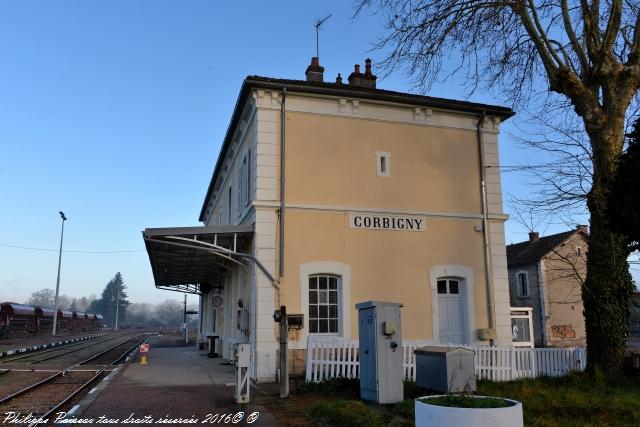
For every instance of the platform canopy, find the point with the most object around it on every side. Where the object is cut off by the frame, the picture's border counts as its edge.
(193, 259)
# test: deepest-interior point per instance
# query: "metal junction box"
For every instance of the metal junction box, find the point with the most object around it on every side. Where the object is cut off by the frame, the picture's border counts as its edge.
(445, 369)
(381, 370)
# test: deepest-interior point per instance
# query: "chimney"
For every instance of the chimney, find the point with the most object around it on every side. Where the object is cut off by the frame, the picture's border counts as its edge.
(363, 80)
(339, 79)
(315, 73)
(584, 229)
(534, 236)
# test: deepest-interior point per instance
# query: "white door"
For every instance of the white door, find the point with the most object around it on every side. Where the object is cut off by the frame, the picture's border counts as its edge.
(450, 311)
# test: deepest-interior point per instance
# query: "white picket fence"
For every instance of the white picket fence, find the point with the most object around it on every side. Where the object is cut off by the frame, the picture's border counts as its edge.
(338, 358)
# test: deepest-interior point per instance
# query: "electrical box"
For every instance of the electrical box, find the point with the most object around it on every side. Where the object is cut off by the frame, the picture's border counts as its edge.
(487, 334)
(445, 369)
(295, 321)
(243, 319)
(381, 362)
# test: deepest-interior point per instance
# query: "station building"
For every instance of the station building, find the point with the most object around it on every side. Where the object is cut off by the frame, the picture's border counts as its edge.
(325, 195)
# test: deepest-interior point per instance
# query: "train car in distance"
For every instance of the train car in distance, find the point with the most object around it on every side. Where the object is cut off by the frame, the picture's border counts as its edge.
(21, 320)
(65, 320)
(45, 318)
(17, 320)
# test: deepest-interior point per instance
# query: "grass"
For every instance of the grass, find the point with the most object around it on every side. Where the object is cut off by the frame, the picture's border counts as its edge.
(458, 401)
(576, 399)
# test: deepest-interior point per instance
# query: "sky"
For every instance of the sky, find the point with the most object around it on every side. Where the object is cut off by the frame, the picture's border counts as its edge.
(114, 112)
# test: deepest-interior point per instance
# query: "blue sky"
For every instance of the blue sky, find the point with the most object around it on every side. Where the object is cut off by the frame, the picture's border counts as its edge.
(114, 112)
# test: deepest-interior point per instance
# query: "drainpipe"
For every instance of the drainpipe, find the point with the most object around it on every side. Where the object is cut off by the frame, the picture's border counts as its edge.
(485, 226)
(282, 140)
(543, 311)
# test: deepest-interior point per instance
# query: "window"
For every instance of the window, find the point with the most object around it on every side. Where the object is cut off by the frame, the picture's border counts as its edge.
(452, 289)
(523, 284)
(383, 164)
(229, 203)
(244, 196)
(323, 304)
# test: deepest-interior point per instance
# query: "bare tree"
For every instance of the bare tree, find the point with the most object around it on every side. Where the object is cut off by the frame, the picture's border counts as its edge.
(169, 312)
(587, 52)
(43, 298)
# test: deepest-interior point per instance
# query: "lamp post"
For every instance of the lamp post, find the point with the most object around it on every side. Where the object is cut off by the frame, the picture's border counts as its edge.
(55, 308)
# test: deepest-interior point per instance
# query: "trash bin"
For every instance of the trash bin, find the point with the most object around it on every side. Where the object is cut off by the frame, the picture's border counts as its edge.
(445, 369)
(212, 345)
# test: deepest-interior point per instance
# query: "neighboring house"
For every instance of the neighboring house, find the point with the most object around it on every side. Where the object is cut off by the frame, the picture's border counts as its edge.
(546, 274)
(325, 195)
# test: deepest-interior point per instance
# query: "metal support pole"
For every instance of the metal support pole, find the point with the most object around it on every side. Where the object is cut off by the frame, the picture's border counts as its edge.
(55, 303)
(284, 369)
(184, 320)
(117, 306)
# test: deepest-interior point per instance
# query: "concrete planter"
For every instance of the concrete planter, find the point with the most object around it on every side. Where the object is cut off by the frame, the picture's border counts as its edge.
(433, 415)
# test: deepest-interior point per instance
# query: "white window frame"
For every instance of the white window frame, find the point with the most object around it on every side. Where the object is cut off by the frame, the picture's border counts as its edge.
(383, 156)
(345, 308)
(519, 287)
(338, 303)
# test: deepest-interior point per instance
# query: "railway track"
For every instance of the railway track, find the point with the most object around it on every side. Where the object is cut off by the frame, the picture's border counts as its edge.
(51, 394)
(52, 353)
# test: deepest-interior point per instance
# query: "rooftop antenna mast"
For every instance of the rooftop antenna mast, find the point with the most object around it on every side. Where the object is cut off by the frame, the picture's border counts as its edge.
(319, 22)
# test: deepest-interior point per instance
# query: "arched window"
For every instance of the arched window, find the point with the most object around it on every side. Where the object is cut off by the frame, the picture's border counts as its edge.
(324, 303)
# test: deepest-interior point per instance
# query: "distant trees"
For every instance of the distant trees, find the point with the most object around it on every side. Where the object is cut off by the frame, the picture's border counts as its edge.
(46, 298)
(106, 304)
(169, 313)
(43, 297)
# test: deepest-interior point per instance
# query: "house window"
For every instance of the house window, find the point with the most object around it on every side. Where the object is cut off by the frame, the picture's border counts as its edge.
(323, 304)
(245, 181)
(523, 284)
(383, 164)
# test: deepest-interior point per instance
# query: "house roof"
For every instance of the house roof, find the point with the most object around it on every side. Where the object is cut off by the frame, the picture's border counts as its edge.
(530, 252)
(341, 89)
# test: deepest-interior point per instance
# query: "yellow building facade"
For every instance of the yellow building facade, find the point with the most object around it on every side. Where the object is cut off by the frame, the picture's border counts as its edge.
(329, 194)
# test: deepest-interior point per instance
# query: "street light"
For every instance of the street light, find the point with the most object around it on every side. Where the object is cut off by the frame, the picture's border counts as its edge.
(55, 309)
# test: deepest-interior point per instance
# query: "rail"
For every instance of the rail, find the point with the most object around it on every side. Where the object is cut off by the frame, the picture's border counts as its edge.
(62, 372)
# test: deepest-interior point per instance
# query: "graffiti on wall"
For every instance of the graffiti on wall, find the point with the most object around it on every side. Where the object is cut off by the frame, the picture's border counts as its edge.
(565, 332)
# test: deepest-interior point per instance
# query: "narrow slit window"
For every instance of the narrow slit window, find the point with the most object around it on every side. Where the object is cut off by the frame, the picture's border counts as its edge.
(383, 164)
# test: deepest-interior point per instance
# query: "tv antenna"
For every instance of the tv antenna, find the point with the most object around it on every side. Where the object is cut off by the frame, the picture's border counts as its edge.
(319, 22)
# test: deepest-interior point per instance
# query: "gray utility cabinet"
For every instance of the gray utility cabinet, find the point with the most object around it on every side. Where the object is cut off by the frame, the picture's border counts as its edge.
(381, 370)
(445, 369)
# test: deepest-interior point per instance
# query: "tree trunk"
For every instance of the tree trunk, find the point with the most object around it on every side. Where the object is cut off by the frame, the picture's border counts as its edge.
(608, 287)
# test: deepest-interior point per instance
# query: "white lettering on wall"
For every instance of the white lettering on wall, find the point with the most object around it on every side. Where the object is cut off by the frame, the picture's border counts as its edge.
(387, 222)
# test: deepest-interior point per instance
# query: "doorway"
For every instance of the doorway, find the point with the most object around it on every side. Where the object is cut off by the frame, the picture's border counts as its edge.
(451, 314)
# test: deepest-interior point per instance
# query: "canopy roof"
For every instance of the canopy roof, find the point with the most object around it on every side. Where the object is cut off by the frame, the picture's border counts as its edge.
(193, 259)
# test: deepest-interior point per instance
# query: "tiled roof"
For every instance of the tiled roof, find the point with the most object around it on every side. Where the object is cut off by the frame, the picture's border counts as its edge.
(530, 252)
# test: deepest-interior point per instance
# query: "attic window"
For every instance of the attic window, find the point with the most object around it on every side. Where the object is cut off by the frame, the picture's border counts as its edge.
(383, 164)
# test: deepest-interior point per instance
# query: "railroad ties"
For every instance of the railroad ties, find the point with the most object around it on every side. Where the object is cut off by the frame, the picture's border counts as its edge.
(47, 382)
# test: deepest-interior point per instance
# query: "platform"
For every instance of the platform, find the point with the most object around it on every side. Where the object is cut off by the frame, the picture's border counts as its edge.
(178, 381)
